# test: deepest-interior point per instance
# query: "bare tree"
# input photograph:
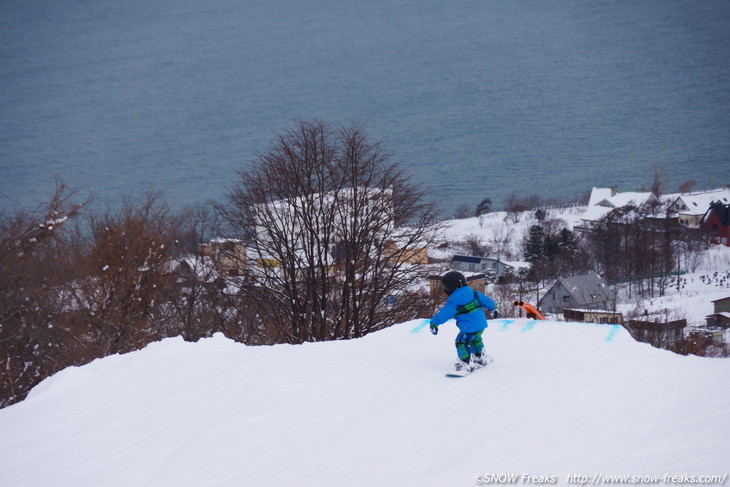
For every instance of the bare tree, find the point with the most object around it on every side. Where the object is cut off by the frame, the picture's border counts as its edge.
(336, 234)
(473, 244)
(690, 243)
(637, 245)
(33, 269)
(500, 238)
(687, 186)
(659, 180)
(198, 300)
(462, 211)
(124, 282)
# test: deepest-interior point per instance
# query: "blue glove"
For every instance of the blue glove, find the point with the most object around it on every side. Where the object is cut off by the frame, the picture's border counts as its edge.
(495, 314)
(434, 329)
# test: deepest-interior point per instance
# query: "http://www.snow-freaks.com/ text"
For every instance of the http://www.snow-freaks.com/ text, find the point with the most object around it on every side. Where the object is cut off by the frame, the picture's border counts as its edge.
(597, 479)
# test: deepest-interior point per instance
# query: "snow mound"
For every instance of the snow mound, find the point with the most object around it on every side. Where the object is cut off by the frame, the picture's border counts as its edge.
(560, 399)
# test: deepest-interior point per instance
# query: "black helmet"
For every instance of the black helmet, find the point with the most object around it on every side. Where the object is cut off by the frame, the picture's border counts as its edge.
(452, 281)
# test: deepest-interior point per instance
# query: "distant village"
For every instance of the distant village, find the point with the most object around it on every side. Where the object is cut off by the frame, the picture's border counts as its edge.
(592, 298)
(585, 297)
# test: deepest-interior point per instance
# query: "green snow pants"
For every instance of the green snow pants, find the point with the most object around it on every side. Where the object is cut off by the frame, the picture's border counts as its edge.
(469, 343)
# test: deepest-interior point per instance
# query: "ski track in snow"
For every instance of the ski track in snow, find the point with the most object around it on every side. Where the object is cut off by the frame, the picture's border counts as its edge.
(559, 398)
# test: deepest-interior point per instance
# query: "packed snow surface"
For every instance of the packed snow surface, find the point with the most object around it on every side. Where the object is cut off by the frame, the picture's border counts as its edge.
(560, 399)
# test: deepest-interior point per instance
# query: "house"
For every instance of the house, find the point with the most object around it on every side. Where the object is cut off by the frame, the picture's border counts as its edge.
(227, 254)
(600, 194)
(593, 316)
(592, 217)
(690, 208)
(324, 213)
(417, 255)
(325, 220)
(722, 305)
(700, 339)
(667, 335)
(586, 292)
(717, 221)
(721, 317)
(476, 281)
(612, 198)
(605, 200)
(466, 263)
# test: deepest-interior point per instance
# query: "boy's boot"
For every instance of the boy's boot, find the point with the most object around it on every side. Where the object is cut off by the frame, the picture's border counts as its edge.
(462, 366)
(480, 359)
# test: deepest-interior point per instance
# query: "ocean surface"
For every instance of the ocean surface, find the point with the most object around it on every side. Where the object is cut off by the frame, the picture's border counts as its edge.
(478, 98)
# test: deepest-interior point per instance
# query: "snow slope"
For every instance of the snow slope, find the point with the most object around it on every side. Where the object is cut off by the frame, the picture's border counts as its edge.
(560, 399)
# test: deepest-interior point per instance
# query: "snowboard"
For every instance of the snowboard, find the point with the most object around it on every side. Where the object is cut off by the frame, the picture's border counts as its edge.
(465, 373)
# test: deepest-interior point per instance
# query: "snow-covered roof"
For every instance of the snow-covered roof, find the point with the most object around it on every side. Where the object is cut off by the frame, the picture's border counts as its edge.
(599, 194)
(202, 266)
(698, 203)
(289, 205)
(599, 206)
(596, 213)
(225, 240)
(588, 288)
(603, 200)
(588, 310)
(516, 264)
(474, 259)
(627, 198)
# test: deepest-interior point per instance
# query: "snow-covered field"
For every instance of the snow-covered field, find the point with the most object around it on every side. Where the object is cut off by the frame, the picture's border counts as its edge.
(697, 290)
(560, 400)
(498, 225)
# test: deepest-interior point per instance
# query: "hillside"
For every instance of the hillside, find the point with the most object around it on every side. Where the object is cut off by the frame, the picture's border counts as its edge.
(560, 399)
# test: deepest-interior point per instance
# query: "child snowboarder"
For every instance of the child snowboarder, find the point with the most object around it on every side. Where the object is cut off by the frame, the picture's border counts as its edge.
(465, 304)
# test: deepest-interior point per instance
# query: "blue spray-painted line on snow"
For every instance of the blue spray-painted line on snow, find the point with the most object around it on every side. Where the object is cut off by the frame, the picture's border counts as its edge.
(505, 325)
(420, 326)
(528, 326)
(612, 333)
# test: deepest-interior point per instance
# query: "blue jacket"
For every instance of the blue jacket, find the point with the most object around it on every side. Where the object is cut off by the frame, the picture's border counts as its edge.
(469, 322)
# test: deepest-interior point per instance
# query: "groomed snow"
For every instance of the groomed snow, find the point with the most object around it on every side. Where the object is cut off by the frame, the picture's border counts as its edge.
(560, 399)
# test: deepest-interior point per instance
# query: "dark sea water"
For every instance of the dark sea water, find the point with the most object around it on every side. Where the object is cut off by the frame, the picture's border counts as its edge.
(478, 98)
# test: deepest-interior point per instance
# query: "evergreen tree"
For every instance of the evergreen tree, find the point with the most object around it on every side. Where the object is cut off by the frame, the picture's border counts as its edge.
(551, 247)
(567, 242)
(535, 244)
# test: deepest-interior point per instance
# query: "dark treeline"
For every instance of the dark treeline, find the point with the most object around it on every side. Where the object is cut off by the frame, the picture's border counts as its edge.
(76, 286)
(645, 248)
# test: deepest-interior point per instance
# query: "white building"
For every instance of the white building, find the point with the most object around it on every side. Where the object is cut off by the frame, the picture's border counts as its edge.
(604, 200)
(612, 198)
(329, 216)
(690, 208)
